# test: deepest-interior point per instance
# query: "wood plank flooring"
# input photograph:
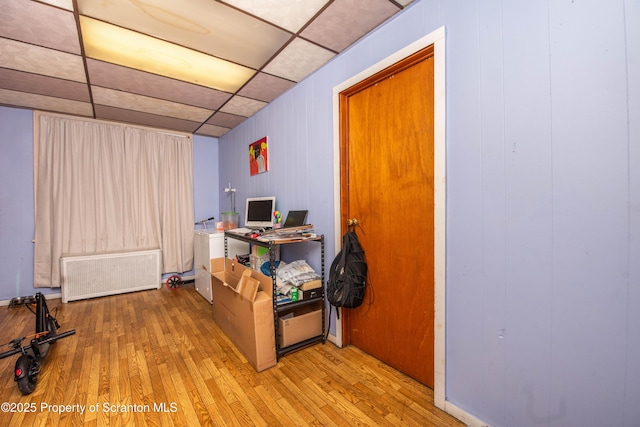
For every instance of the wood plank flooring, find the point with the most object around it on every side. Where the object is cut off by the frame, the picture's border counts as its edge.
(157, 358)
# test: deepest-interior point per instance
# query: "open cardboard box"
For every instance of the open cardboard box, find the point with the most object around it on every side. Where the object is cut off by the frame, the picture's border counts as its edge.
(243, 309)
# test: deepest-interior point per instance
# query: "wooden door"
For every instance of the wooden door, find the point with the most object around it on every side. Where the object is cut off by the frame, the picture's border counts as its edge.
(387, 185)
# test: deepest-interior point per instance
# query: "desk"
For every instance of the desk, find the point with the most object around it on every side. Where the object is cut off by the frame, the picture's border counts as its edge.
(288, 307)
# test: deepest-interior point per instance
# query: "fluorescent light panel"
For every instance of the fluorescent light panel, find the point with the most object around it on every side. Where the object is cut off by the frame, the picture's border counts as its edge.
(206, 26)
(128, 48)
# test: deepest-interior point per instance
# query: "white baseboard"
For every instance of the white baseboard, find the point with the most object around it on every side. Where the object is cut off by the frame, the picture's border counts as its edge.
(334, 340)
(463, 415)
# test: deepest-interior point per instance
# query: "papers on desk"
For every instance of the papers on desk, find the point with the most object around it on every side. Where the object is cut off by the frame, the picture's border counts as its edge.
(289, 234)
(241, 231)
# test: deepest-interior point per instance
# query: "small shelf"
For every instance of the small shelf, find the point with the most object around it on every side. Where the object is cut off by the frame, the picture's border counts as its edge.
(287, 306)
(299, 345)
(294, 304)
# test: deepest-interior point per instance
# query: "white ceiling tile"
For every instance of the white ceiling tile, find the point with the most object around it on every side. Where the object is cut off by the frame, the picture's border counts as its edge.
(39, 60)
(129, 101)
(48, 103)
(265, 87)
(346, 21)
(298, 60)
(288, 14)
(38, 24)
(212, 130)
(64, 4)
(242, 106)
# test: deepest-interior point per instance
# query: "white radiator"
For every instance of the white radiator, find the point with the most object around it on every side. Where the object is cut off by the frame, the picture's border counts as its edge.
(96, 275)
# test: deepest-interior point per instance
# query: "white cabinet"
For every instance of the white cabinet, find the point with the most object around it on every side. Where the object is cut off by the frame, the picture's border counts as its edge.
(209, 244)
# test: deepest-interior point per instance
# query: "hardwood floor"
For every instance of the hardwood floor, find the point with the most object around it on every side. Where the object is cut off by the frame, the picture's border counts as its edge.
(157, 358)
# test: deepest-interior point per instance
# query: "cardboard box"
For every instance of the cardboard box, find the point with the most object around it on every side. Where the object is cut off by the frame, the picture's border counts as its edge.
(312, 289)
(300, 324)
(311, 293)
(243, 309)
(314, 284)
(259, 255)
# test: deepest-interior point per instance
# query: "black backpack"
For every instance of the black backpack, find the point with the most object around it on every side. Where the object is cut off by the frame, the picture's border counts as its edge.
(348, 274)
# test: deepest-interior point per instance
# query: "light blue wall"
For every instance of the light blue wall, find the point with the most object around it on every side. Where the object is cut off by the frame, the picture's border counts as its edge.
(543, 208)
(16, 203)
(205, 179)
(543, 211)
(16, 198)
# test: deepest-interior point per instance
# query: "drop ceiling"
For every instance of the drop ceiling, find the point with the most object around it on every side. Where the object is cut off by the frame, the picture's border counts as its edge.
(196, 66)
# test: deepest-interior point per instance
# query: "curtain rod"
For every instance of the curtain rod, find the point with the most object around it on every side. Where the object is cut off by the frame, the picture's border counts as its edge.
(38, 113)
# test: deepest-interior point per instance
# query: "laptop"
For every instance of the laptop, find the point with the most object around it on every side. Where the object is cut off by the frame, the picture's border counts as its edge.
(295, 219)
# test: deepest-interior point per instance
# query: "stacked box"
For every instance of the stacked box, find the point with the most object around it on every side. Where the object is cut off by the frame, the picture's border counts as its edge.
(260, 255)
(310, 290)
(300, 324)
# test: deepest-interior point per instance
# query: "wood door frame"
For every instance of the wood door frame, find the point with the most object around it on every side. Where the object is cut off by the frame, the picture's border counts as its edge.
(437, 39)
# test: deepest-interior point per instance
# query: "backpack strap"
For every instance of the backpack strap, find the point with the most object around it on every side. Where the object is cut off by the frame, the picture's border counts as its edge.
(346, 248)
(326, 335)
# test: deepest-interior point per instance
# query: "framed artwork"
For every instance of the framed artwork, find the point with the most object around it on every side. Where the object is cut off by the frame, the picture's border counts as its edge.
(259, 156)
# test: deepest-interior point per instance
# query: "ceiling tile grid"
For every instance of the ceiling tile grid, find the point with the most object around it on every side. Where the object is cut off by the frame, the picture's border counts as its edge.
(21, 56)
(200, 66)
(129, 80)
(131, 101)
(43, 85)
(145, 119)
(43, 102)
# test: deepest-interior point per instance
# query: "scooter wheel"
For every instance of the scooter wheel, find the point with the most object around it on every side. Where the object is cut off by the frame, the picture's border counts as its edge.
(26, 374)
(174, 282)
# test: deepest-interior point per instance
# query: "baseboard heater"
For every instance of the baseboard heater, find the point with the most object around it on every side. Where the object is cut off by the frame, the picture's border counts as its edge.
(96, 275)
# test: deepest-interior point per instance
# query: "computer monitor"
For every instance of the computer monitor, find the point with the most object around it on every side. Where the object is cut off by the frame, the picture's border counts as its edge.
(259, 212)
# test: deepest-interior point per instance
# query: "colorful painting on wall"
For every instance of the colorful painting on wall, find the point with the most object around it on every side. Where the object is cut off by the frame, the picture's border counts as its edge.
(259, 156)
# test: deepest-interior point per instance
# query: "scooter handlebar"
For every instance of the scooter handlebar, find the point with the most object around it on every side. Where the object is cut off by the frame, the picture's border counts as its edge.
(44, 341)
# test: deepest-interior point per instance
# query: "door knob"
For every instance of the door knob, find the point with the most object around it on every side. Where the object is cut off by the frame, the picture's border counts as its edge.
(352, 221)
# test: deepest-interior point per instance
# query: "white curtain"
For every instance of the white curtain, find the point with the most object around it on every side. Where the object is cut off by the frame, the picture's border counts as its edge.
(103, 187)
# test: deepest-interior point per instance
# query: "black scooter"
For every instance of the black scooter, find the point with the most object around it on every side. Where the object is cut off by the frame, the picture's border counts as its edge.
(28, 364)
